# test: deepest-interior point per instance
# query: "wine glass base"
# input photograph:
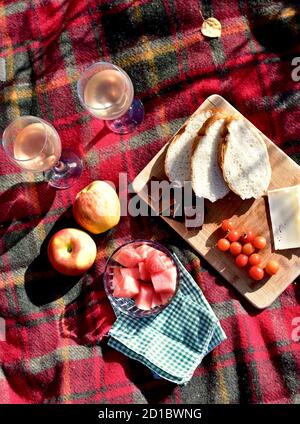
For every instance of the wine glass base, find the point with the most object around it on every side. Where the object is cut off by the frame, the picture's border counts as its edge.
(128, 122)
(66, 172)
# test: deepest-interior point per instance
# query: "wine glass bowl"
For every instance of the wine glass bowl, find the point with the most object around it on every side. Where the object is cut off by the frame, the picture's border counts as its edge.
(34, 145)
(107, 92)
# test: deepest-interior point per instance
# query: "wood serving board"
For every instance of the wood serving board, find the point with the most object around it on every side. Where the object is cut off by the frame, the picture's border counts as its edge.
(246, 214)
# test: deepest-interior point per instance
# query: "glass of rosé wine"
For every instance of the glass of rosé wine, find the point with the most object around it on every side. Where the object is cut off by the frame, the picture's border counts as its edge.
(34, 145)
(106, 91)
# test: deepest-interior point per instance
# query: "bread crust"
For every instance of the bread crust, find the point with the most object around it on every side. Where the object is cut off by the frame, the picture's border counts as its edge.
(221, 155)
(180, 132)
(203, 130)
(173, 141)
(220, 114)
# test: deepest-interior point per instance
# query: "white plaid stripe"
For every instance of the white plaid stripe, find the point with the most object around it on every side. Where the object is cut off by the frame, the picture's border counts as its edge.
(172, 343)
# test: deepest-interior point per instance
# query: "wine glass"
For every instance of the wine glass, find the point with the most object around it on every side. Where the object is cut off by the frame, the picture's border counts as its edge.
(34, 145)
(106, 91)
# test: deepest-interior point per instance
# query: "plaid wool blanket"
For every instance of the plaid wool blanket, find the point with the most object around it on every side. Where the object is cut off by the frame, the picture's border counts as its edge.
(55, 349)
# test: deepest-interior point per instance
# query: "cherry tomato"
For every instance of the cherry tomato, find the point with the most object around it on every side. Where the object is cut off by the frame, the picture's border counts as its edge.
(241, 260)
(233, 235)
(235, 248)
(272, 267)
(227, 225)
(223, 244)
(248, 249)
(254, 259)
(256, 273)
(259, 242)
(248, 237)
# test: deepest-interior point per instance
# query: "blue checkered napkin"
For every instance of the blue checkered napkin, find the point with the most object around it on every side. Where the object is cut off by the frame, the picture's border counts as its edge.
(173, 343)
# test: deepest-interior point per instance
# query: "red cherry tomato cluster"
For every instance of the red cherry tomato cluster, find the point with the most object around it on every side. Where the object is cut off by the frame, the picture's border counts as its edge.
(244, 246)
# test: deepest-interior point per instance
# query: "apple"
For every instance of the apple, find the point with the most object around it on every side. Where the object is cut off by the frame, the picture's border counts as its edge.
(97, 207)
(71, 251)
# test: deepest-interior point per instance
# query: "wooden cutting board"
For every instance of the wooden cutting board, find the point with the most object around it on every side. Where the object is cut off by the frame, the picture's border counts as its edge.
(246, 214)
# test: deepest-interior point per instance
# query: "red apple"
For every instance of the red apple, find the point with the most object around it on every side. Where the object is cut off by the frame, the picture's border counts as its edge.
(71, 251)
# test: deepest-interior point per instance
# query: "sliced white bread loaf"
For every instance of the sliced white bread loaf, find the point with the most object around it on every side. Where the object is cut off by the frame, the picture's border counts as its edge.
(207, 178)
(244, 160)
(178, 156)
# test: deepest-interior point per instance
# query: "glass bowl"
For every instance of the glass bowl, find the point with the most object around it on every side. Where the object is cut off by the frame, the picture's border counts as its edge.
(127, 305)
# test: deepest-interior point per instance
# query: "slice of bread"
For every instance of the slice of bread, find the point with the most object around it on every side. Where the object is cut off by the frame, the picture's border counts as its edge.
(207, 178)
(244, 159)
(177, 160)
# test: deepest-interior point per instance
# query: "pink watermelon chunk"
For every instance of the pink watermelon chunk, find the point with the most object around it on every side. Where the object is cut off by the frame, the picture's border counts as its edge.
(165, 281)
(144, 274)
(127, 287)
(148, 276)
(144, 299)
(117, 276)
(144, 249)
(164, 298)
(166, 260)
(155, 263)
(156, 300)
(132, 272)
(128, 257)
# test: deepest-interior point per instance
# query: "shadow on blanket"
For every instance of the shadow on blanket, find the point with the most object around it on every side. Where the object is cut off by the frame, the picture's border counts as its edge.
(42, 283)
(153, 390)
(24, 204)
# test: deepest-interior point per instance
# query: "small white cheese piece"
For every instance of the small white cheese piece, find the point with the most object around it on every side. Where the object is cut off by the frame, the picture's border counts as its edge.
(284, 204)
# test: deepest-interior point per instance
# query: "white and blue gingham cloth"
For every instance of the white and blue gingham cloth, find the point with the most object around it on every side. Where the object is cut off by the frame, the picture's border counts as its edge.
(173, 343)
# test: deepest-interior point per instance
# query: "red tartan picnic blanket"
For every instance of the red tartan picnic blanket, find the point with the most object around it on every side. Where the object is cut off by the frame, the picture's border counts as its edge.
(55, 351)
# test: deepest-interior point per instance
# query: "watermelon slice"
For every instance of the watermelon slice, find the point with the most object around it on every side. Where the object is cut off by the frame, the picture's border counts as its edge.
(155, 263)
(117, 276)
(127, 287)
(165, 281)
(166, 260)
(145, 297)
(144, 249)
(128, 257)
(156, 300)
(164, 298)
(149, 276)
(132, 272)
(144, 274)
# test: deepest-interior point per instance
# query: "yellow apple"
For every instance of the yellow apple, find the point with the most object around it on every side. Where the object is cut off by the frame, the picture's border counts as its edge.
(97, 207)
(71, 251)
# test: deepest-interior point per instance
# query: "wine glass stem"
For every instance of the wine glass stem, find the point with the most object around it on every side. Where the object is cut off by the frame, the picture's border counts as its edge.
(65, 172)
(59, 166)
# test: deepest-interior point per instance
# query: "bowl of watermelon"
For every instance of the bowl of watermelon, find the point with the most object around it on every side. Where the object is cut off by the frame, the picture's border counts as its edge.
(141, 278)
